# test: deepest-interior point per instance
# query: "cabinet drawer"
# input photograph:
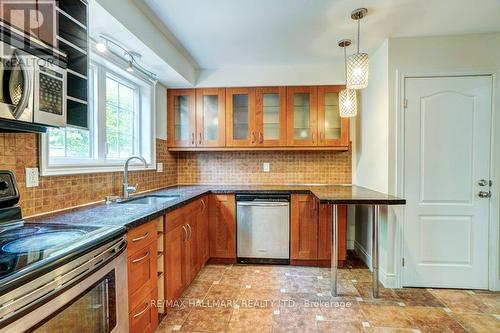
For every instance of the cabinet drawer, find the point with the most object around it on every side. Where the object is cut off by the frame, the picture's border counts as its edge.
(144, 317)
(141, 236)
(142, 269)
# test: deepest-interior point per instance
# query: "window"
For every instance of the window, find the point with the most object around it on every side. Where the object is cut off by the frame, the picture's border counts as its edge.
(121, 125)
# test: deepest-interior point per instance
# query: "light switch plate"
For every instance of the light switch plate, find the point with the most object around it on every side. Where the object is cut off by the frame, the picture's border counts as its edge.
(265, 167)
(159, 167)
(31, 177)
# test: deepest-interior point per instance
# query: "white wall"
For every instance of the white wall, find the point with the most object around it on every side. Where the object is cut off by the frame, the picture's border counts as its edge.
(370, 150)
(418, 56)
(161, 111)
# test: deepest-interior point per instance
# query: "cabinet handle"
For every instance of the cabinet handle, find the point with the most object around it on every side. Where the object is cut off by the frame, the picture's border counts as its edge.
(190, 231)
(322, 136)
(140, 313)
(192, 138)
(135, 261)
(253, 137)
(261, 137)
(185, 233)
(140, 238)
(204, 206)
(199, 138)
(313, 137)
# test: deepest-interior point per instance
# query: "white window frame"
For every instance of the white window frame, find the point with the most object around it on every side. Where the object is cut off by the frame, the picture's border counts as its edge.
(144, 124)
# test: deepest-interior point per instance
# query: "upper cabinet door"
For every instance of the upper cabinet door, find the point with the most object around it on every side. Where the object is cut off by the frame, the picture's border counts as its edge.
(270, 116)
(302, 112)
(181, 118)
(240, 115)
(210, 117)
(333, 130)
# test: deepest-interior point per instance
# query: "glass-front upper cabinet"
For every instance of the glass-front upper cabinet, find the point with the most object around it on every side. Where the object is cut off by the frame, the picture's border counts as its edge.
(240, 110)
(181, 118)
(302, 115)
(210, 117)
(333, 130)
(270, 116)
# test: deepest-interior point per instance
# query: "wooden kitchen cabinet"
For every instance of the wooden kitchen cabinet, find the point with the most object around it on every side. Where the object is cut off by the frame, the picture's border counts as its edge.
(303, 227)
(325, 233)
(222, 226)
(186, 235)
(240, 116)
(270, 116)
(181, 117)
(202, 227)
(302, 116)
(210, 117)
(332, 129)
(142, 253)
(311, 231)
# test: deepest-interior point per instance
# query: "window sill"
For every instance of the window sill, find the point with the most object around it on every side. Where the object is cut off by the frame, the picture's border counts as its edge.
(79, 170)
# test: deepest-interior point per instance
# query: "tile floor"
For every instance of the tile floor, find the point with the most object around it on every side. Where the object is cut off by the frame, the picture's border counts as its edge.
(258, 298)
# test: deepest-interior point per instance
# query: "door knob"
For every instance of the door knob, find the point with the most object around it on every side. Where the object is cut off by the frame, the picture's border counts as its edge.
(484, 194)
(483, 182)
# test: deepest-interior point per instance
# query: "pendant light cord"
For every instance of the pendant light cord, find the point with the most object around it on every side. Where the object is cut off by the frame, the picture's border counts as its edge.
(345, 65)
(358, 34)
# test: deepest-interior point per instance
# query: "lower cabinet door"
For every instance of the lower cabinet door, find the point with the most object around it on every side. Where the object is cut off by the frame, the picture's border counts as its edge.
(174, 255)
(222, 226)
(202, 227)
(304, 227)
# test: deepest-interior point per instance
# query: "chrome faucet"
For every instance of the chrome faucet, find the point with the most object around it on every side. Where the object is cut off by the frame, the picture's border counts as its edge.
(130, 189)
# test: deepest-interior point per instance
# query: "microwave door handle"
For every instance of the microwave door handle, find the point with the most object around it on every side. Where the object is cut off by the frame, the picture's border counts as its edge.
(25, 95)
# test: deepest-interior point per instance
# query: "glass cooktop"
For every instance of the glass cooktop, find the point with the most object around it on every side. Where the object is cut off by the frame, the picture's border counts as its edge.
(25, 245)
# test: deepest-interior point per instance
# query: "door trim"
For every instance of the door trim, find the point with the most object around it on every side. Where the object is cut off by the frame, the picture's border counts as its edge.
(494, 211)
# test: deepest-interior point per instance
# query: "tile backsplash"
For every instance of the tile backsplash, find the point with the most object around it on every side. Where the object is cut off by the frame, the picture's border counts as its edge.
(20, 151)
(285, 167)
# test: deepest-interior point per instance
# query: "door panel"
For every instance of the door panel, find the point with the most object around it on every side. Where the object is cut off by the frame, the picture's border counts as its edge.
(447, 144)
(240, 115)
(181, 117)
(302, 113)
(210, 117)
(270, 116)
(325, 232)
(332, 129)
(175, 279)
(222, 226)
(304, 227)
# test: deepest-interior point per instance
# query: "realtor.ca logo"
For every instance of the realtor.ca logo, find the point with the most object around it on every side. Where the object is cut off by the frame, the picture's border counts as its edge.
(35, 18)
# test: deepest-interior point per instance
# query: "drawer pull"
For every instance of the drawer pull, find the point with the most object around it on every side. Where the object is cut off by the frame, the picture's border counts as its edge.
(190, 231)
(140, 313)
(140, 238)
(135, 261)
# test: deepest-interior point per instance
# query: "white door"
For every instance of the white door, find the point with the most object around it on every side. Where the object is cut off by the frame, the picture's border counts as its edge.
(447, 154)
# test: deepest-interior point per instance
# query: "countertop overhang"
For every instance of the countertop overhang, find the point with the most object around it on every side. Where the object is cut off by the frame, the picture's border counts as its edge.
(133, 215)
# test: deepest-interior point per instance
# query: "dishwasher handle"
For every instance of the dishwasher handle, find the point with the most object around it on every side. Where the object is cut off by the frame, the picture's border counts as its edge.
(263, 204)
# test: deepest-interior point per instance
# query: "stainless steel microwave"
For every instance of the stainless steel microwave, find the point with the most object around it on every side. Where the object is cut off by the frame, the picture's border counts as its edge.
(32, 89)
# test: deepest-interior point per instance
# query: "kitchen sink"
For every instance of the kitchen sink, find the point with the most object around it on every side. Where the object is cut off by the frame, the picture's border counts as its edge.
(150, 199)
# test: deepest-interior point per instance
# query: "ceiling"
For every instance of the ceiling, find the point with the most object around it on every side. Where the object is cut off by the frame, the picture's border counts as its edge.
(263, 33)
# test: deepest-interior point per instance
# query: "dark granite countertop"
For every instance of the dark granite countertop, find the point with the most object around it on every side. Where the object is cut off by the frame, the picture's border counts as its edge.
(133, 215)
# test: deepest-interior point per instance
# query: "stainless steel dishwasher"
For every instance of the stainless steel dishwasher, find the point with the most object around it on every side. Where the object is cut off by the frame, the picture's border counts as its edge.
(263, 228)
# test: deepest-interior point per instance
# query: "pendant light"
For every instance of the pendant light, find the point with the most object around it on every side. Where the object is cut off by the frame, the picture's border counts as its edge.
(357, 64)
(347, 97)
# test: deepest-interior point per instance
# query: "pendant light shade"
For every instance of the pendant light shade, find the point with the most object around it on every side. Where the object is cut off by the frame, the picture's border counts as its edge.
(357, 71)
(357, 64)
(348, 105)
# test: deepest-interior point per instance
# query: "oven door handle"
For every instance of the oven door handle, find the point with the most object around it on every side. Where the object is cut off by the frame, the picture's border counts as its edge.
(25, 95)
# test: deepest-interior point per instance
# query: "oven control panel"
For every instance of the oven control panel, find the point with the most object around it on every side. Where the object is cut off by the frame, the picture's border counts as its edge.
(9, 194)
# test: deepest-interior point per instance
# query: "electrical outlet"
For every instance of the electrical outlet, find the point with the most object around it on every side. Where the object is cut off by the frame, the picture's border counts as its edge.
(31, 177)
(159, 167)
(265, 167)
